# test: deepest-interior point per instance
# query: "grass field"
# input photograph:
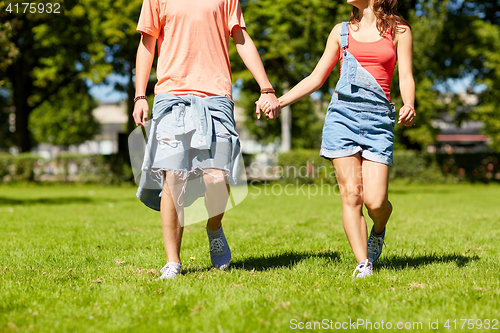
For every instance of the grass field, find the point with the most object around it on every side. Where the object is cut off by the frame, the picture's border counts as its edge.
(86, 258)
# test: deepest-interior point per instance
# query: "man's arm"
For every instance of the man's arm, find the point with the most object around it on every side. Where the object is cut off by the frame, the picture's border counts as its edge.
(250, 56)
(144, 61)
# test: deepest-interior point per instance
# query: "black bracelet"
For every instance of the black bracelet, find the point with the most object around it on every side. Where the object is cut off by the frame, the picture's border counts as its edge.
(139, 97)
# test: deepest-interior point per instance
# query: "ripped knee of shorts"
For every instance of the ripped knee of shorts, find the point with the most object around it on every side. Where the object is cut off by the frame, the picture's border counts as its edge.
(223, 135)
(168, 143)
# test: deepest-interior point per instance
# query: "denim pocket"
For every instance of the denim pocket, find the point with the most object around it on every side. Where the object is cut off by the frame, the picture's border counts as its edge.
(175, 122)
(392, 116)
(179, 112)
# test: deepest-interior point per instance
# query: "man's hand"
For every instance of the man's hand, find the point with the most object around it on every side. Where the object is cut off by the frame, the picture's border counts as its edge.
(141, 112)
(269, 104)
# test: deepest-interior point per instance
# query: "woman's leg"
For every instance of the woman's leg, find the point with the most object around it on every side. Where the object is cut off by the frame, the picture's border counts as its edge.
(216, 196)
(375, 184)
(348, 171)
(171, 216)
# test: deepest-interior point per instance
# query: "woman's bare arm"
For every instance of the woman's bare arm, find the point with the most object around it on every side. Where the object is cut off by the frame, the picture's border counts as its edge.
(406, 82)
(320, 73)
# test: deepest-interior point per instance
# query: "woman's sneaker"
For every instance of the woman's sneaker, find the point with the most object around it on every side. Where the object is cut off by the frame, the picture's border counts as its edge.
(364, 268)
(220, 254)
(375, 245)
(170, 271)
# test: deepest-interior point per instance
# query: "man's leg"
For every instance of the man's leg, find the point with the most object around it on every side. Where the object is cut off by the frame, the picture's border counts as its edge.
(172, 216)
(216, 196)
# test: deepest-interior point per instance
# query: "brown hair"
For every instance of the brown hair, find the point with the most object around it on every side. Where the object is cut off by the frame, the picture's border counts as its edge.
(388, 18)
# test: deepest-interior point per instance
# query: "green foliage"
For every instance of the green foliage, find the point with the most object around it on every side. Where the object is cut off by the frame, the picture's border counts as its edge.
(55, 51)
(8, 50)
(6, 136)
(410, 166)
(307, 122)
(65, 118)
(415, 167)
(482, 167)
(427, 31)
(487, 48)
(305, 167)
(291, 37)
(451, 41)
(22, 167)
(103, 169)
(118, 32)
(468, 49)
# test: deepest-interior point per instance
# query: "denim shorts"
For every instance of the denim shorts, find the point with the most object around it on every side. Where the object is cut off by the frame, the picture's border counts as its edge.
(174, 148)
(352, 126)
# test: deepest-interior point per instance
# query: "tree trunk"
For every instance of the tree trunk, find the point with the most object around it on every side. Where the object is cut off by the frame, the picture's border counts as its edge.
(20, 93)
(130, 100)
(286, 125)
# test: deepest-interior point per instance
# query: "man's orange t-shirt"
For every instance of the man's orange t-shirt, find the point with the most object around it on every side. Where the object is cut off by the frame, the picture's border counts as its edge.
(193, 41)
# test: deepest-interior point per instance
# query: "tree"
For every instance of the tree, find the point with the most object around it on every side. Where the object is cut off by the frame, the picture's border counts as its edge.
(427, 25)
(118, 32)
(54, 51)
(489, 76)
(469, 49)
(8, 50)
(290, 36)
(72, 123)
(451, 41)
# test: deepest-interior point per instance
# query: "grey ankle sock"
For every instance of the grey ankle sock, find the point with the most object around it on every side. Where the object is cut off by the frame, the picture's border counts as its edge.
(214, 233)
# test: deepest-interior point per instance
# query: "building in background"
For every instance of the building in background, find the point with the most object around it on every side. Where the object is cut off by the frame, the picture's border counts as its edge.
(460, 137)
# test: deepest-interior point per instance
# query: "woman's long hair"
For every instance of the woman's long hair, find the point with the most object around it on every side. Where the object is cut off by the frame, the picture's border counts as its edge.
(388, 18)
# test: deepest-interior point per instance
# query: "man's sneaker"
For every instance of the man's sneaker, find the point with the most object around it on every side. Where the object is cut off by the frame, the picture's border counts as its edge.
(375, 245)
(364, 268)
(220, 254)
(170, 271)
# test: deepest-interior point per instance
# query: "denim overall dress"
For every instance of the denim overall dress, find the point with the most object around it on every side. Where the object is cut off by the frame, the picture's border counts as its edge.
(359, 118)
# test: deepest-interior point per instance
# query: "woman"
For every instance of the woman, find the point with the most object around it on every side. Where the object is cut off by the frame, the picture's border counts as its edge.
(192, 135)
(358, 134)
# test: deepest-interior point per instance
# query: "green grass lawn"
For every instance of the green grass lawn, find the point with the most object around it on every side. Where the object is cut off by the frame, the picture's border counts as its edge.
(86, 258)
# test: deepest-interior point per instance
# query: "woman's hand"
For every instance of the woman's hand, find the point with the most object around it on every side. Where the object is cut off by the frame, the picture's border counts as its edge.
(141, 112)
(270, 105)
(407, 115)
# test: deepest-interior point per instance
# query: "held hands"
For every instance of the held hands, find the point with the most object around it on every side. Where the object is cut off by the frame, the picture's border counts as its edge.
(269, 104)
(141, 111)
(407, 115)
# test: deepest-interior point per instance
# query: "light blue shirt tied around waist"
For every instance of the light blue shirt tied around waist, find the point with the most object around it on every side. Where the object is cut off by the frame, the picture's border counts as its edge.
(201, 122)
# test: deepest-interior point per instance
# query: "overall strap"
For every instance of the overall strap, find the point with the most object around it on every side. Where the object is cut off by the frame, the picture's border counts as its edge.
(344, 35)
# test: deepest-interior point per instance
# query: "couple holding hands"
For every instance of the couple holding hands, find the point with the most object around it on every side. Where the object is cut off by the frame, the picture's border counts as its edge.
(192, 132)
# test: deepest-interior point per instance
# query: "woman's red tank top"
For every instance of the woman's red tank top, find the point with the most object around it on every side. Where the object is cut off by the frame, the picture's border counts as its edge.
(378, 58)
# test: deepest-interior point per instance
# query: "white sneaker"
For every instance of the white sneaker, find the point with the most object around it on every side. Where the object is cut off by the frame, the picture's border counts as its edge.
(364, 268)
(170, 271)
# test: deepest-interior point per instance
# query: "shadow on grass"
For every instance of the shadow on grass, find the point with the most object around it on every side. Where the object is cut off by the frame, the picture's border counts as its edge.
(282, 260)
(402, 262)
(46, 201)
